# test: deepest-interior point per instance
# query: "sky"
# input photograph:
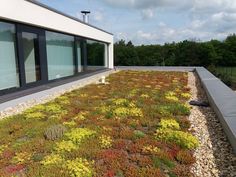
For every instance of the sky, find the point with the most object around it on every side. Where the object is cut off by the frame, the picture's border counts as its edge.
(156, 21)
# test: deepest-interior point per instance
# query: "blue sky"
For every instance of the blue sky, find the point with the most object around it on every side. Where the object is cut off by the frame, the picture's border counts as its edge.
(156, 21)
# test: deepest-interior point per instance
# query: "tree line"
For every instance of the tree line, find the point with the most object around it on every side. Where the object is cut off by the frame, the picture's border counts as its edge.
(184, 53)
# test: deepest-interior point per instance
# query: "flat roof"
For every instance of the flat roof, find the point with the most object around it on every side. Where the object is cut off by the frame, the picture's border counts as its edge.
(64, 14)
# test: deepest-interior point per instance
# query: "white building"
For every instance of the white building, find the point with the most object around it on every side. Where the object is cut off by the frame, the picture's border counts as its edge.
(39, 45)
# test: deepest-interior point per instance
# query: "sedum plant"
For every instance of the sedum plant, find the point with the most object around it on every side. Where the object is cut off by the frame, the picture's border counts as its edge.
(53, 159)
(169, 123)
(65, 146)
(77, 135)
(105, 141)
(55, 132)
(80, 168)
(183, 139)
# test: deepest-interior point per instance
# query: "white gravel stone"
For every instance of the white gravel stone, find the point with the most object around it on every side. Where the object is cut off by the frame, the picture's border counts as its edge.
(214, 157)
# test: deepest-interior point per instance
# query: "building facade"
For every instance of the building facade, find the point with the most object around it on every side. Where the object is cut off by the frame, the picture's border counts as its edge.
(39, 45)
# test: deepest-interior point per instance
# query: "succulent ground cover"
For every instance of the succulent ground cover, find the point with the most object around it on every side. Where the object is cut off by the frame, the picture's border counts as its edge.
(135, 126)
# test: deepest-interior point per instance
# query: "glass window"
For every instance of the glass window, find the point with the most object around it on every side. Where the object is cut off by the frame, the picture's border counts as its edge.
(60, 55)
(97, 55)
(79, 56)
(31, 60)
(9, 73)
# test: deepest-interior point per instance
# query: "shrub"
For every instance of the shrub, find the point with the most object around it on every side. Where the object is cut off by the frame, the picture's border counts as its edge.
(169, 123)
(183, 139)
(77, 135)
(55, 132)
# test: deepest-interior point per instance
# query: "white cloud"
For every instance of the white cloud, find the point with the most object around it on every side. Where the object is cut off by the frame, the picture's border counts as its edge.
(147, 13)
(207, 19)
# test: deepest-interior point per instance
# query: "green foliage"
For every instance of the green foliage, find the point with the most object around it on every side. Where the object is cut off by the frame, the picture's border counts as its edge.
(174, 109)
(184, 53)
(139, 134)
(183, 139)
(162, 162)
(55, 132)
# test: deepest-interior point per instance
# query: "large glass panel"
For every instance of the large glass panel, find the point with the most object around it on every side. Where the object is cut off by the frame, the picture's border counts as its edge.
(97, 55)
(9, 73)
(31, 59)
(79, 56)
(60, 55)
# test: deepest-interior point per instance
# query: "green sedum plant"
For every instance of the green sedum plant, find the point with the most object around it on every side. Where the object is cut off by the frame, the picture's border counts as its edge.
(183, 139)
(139, 134)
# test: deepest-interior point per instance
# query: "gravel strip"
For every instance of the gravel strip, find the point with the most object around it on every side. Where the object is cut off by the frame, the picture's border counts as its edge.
(215, 155)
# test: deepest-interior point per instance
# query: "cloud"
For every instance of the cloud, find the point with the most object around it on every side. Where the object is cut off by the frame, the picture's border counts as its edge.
(145, 4)
(147, 14)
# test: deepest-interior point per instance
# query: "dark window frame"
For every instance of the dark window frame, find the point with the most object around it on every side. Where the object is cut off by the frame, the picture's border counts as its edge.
(43, 55)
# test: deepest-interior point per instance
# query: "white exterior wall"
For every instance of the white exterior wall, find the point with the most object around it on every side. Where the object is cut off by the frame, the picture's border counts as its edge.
(28, 13)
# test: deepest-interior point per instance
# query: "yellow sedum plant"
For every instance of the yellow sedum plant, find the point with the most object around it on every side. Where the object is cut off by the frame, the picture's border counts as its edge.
(2, 148)
(171, 96)
(65, 146)
(80, 168)
(105, 141)
(183, 139)
(169, 123)
(150, 149)
(34, 115)
(77, 135)
(53, 159)
(21, 157)
(120, 102)
(186, 95)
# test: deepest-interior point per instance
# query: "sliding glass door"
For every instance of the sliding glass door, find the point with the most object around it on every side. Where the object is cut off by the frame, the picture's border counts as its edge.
(9, 72)
(32, 55)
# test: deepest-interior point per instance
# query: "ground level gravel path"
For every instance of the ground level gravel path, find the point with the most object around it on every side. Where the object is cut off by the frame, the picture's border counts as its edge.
(215, 156)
